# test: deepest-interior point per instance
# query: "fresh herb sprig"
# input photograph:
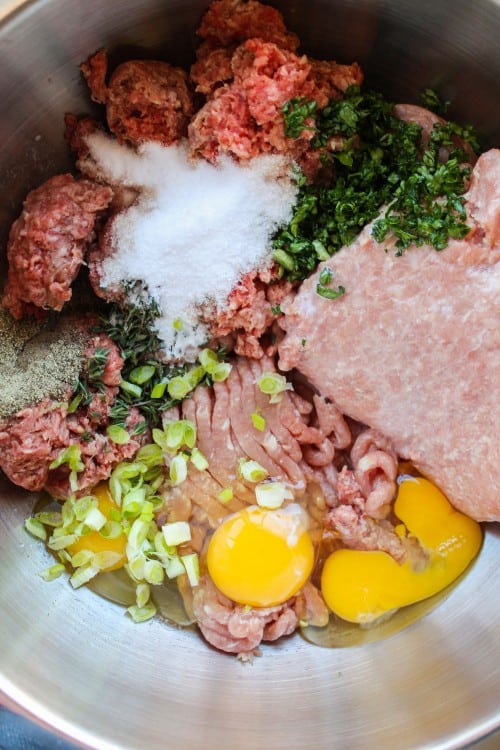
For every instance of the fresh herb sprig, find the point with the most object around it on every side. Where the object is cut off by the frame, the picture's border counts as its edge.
(378, 160)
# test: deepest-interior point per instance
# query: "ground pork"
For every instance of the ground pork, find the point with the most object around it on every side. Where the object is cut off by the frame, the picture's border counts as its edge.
(237, 629)
(145, 99)
(47, 242)
(34, 437)
(415, 346)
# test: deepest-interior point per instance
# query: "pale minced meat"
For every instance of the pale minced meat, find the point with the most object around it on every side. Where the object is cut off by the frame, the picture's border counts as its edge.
(417, 347)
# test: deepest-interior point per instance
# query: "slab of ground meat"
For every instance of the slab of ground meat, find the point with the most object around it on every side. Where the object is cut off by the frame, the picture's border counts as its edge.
(35, 436)
(230, 21)
(146, 100)
(414, 347)
(47, 242)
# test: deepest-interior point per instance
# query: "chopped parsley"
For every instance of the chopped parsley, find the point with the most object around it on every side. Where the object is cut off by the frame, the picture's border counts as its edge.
(377, 160)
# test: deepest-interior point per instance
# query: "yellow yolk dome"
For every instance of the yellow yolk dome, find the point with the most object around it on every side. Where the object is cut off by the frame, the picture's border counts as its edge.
(261, 557)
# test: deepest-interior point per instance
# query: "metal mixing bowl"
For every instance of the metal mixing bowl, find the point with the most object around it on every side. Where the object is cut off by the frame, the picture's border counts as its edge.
(74, 661)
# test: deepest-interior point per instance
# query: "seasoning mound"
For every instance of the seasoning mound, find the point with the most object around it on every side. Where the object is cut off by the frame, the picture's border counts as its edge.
(193, 231)
(37, 360)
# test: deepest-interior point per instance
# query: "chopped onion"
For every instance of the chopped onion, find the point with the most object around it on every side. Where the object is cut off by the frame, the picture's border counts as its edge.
(251, 470)
(192, 566)
(176, 533)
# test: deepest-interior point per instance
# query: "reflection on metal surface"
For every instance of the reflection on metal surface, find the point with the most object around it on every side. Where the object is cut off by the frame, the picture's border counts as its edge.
(73, 660)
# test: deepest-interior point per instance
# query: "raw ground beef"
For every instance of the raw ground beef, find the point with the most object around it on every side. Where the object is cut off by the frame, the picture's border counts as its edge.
(35, 436)
(145, 99)
(47, 242)
(247, 87)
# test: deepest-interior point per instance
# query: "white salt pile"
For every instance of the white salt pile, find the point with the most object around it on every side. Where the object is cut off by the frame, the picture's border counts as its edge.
(194, 230)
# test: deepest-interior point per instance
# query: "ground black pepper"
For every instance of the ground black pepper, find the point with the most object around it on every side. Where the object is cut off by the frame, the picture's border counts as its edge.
(37, 360)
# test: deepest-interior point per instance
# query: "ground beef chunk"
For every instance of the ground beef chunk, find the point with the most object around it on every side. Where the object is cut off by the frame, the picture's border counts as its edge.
(213, 67)
(243, 115)
(145, 99)
(47, 242)
(247, 321)
(230, 21)
(34, 437)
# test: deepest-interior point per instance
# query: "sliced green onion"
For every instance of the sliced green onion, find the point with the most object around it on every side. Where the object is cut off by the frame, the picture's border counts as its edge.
(177, 324)
(55, 571)
(251, 470)
(178, 388)
(174, 567)
(106, 559)
(83, 506)
(221, 371)
(94, 519)
(75, 403)
(111, 530)
(153, 572)
(258, 421)
(225, 495)
(284, 259)
(208, 359)
(117, 434)
(58, 543)
(150, 455)
(83, 575)
(325, 276)
(140, 375)
(133, 501)
(50, 518)
(82, 557)
(176, 533)
(138, 534)
(192, 567)
(142, 614)
(131, 388)
(199, 460)
(194, 376)
(142, 594)
(271, 495)
(34, 527)
(273, 384)
(71, 456)
(159, 389)
(178, 469)
(135, 565)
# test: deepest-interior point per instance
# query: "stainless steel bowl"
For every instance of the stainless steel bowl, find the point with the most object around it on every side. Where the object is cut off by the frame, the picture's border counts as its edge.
(73, 661)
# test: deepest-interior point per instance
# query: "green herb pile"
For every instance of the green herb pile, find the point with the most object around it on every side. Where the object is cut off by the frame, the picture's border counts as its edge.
(147, 383)
(381, 161)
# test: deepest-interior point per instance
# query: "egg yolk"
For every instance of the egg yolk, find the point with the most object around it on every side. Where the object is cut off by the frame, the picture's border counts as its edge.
(95, 542)
(261, 557)
(360, 586)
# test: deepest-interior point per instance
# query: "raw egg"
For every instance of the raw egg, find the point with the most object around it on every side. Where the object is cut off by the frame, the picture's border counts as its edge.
(361, 586)
(95, 542)
(261, 557)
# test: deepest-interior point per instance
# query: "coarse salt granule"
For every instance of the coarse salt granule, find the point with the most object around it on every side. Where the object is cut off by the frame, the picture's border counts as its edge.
(193, 231)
